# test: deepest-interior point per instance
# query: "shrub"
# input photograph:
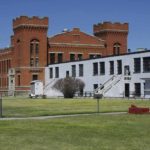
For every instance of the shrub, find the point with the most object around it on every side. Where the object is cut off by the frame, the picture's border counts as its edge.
(69, 86)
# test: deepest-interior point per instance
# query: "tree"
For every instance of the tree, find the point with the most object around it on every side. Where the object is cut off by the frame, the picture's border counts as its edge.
(69, 86)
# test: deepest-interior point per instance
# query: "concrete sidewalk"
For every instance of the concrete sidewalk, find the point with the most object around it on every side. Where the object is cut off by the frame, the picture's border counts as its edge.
(60, 116)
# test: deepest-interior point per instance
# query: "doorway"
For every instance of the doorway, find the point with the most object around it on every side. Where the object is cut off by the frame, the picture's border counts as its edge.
(138, 89)
(127, 90)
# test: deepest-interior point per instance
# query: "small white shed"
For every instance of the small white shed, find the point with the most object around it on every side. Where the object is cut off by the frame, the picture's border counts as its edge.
(36, 89)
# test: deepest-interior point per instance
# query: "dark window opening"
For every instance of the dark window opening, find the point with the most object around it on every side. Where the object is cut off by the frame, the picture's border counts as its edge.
(137, 65)
(95, 68)
(51, 73)
(146, 64)
(116, 49)
(102, 68)
(67, 73)
(79, 56)
(111, 67)
(60, 57)
(19, 83)
(80, 70)
(73, 70)
(37, 48)
(91, 56)
(56, 72)
(138, 89)
(95, 86)
(127, 90)
(52, 58)
(119, 66)
(72, 57)
(98, 56)
(35, 77)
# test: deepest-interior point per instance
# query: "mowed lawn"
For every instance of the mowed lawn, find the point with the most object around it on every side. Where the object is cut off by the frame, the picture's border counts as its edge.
(24, 107)
(92, 132)
(97, 131)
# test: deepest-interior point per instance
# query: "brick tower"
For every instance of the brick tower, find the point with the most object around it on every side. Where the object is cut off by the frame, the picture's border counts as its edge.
(30, 49)
(115, 36)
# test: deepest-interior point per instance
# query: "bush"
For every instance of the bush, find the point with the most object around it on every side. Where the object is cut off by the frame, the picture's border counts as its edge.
(69, 86)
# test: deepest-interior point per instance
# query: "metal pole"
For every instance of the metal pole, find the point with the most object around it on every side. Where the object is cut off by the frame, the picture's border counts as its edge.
(1, 111)
(98, 105)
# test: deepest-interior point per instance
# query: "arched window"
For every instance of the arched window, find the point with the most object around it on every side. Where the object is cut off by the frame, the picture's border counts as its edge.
(34, 53)
(116, 49)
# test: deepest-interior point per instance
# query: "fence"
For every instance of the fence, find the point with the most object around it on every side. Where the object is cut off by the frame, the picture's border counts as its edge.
(14, 93)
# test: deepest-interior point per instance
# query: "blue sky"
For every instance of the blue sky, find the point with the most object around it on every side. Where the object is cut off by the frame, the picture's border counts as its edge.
(80, 13)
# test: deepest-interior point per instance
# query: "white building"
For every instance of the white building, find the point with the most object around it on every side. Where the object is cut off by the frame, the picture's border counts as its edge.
(125, 75)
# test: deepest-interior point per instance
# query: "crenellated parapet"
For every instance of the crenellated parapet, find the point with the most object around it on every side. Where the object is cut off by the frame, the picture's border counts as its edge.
(111, 27)
(7, 49)
(30, 22)
(6, 53)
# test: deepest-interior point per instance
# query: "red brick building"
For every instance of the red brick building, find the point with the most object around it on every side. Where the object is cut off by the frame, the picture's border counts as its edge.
(31, 49)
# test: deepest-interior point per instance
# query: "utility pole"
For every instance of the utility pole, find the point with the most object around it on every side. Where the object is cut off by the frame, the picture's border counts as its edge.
(1, 108)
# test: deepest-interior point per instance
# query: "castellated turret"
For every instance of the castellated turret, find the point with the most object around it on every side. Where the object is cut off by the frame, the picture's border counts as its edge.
(30, 41)
(30, 22)
(115, 36)
(110, 27)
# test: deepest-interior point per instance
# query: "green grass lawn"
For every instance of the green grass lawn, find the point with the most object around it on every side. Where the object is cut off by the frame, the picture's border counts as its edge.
(23, 107)
(93, 132)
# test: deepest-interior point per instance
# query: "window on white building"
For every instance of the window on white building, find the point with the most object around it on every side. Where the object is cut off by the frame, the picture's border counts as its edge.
(137, 65)
(80, 70)
(73, 70)
(137, 89)
(95, 69)
(111, 67)
(146, 64)
(50, 72)
(102, 68)
(119, 66)
(56, 72)
(95, 86)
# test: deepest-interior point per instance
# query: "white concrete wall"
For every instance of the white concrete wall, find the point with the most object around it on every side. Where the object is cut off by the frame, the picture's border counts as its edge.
(88, 78)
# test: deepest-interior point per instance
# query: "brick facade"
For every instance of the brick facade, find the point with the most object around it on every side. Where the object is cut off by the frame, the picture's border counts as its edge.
(31, 49)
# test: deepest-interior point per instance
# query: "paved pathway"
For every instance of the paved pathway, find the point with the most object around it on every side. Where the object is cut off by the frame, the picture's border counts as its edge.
(61, 116)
